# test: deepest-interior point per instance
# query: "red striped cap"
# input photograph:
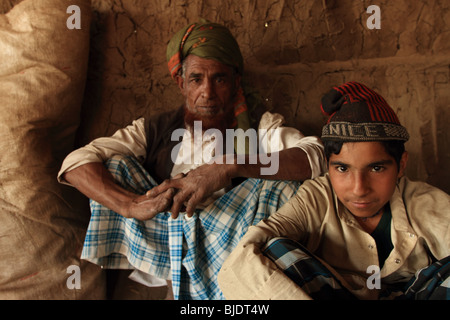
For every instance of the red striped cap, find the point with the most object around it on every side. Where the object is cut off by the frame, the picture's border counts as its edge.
(357, 113)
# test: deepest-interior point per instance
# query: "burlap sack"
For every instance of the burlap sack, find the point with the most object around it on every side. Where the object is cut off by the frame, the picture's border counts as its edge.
(42, 223)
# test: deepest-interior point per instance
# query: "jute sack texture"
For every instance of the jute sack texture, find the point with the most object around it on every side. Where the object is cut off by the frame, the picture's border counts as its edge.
(42, 223)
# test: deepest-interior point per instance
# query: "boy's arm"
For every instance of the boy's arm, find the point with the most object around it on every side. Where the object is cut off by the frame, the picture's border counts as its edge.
(248, 274)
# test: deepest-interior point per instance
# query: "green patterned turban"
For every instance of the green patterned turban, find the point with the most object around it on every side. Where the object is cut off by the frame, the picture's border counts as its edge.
(205, 40)
(210, 41)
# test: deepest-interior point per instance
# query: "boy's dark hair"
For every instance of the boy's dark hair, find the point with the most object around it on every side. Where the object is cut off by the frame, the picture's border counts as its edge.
(394, 148)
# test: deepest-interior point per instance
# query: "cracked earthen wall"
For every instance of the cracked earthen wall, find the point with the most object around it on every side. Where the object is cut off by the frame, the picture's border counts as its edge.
(294, 52)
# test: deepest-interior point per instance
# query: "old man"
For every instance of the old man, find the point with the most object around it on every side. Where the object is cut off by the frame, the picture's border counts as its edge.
(140, 179)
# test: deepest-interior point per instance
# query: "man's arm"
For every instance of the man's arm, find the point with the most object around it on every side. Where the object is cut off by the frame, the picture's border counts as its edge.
(286, 154)
(84, 170)
(95, 181)
(200, 183)
(291, 164)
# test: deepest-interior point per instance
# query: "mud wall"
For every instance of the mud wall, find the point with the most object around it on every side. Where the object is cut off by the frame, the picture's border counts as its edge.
(294, 52)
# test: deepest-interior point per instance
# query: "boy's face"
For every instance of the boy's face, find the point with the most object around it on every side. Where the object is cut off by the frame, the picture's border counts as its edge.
(364, 176)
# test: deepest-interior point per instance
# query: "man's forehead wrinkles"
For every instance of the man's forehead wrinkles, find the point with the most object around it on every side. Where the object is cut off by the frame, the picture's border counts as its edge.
(203, 74)
(195, 75)
(201, 64)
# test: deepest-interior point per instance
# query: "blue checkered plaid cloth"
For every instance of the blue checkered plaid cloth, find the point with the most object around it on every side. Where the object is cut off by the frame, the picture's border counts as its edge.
(430, 283)
(190, 250)
(303, 268)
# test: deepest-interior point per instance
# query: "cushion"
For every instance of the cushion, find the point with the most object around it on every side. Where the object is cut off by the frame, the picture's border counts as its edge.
(42, 223)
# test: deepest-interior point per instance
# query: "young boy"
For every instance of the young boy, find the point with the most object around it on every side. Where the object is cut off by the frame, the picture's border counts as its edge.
(362, 231)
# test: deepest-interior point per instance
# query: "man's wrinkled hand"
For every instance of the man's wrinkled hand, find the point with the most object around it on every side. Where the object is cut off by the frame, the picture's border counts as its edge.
(148, 206)
(194, 187)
